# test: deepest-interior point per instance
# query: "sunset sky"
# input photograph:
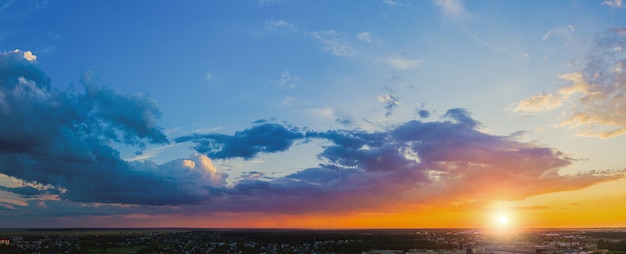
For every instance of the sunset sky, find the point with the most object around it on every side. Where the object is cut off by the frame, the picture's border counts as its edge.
(313, 114)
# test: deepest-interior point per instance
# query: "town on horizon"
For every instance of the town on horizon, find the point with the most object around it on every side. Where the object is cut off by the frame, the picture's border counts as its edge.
(366, 241)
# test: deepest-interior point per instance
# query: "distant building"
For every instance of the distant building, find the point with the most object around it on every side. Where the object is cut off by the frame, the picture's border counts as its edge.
(5, 241)
(383, 252)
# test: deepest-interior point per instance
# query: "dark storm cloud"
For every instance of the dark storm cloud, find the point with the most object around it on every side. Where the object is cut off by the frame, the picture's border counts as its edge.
(63, 139)
(263, 138)
(24, 190)
(135, 116)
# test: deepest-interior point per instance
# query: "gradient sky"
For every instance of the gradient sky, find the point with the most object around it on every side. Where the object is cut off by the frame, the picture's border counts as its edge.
(312, 114)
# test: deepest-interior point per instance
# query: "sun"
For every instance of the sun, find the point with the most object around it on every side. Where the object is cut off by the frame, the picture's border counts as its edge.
(503, 220)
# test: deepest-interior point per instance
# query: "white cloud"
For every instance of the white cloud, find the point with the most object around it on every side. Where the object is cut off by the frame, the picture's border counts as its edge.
(322, 112)
(559, 31)
(391, 2)
(451, 8)
(287, 101)
(613, 3)
(334, 42)
(206, 130)
(276, 25)
(524, 56)
(400, 62)
(365, 36)
(28, 55)
(197, 169)
(287, 80)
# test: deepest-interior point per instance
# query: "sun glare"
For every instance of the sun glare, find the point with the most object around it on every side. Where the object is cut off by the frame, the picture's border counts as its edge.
(503, 220)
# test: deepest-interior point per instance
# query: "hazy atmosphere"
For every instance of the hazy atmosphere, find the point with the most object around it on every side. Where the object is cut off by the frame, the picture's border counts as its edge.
(312, 114)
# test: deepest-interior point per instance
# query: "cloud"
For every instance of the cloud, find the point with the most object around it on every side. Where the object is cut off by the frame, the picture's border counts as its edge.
(63, 140)
(595, 94)
(255, 175)
(326, 112)
(334, 42)
(391, 2)
(461, 116)
(365, 36)
(561, 31)
(399, 62)
(278, 25)
(451, 8)
(343, 119)
(414, 162)
(198, 170)
(540, 102)
(423, 113)
(246, 144)
(612, 3)
(535, 207)
(390, 101)
(57, 150)
(29, 56)
(286, 79)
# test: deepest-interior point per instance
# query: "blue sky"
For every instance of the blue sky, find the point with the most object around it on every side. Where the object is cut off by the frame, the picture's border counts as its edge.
(115, 110)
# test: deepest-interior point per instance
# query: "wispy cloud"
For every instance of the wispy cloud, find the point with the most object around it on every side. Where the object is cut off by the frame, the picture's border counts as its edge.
(560, 31)
(452, 9)
(278, 25)
(365, 36)
(395, 3)
(286, 79)
(400, 62)
(541, 102)
(334, 42)
(613, 3)
(594, 94)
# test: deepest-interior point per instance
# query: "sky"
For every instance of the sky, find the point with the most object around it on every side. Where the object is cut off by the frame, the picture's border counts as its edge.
(313, 114)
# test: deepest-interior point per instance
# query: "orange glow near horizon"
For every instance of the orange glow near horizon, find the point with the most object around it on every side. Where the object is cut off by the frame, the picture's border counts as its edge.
(572, 209)
(557, 210)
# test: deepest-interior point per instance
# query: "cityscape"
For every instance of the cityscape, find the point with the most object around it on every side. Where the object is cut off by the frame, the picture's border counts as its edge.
(365, 241)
